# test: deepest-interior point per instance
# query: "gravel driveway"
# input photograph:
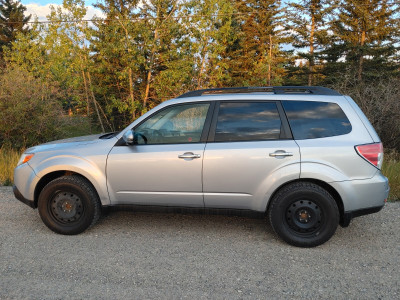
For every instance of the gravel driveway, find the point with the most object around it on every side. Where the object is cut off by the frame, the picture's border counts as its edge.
(142, 255)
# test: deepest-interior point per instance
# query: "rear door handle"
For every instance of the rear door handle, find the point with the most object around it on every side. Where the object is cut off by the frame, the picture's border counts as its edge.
(189, 155)
(281, 153)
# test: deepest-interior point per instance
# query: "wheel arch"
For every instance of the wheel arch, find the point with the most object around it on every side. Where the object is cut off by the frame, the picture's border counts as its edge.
(54, 175)
(336, 196)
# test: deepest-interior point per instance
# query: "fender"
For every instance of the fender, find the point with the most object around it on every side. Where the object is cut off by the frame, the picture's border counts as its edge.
(76, 164)
(321, 171)
(274, 181)
(296, 171)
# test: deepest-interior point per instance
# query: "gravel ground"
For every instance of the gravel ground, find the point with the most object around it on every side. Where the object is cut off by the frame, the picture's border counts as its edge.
(143, 255)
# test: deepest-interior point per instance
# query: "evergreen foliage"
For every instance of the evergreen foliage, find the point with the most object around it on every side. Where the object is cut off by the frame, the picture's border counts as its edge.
(363, 43)
(307, 22)
(12, 22)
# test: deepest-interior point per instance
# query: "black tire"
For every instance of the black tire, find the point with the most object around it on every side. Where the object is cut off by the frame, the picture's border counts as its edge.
(69, 205)
(304, 214)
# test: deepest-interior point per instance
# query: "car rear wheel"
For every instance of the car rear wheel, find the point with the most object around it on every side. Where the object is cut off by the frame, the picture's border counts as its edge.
(304, 214)
(69, 205)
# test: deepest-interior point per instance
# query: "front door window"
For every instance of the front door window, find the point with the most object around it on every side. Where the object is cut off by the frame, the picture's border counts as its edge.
(178, 124)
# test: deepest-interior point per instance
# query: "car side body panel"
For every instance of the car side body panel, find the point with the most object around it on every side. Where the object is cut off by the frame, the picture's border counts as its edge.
(241, 175)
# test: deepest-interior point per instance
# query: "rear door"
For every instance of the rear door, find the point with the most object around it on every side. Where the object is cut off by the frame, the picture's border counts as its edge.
(249, 142)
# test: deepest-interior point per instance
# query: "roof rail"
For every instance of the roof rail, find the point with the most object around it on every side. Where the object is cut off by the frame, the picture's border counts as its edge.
(297, 90)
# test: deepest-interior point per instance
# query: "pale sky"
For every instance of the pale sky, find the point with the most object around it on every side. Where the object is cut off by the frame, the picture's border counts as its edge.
(41, 8)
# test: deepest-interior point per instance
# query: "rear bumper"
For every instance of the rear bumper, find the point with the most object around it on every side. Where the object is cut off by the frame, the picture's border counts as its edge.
(363, 194)
(349, 215)
(21, 198)
(362, 197)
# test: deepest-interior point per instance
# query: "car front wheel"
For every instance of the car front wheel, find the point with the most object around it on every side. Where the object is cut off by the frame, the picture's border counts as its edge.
(69, 205)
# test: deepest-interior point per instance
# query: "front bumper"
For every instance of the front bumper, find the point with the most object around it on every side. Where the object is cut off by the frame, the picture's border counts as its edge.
(21, 198)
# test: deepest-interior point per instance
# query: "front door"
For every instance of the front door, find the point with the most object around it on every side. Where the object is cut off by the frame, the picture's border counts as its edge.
(164, 167)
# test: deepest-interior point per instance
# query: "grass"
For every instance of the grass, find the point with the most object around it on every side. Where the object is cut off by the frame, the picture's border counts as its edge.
(8, 161)
(391, 169)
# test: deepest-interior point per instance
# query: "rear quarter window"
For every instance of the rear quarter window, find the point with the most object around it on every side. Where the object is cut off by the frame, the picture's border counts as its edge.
(311, 120)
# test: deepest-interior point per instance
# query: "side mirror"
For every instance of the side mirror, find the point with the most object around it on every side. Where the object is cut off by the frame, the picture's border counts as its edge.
(129, 137)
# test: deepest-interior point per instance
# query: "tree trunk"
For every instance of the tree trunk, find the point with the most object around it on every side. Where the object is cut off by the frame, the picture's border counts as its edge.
(153, 51)
(203, 61)
(361, 62)
(86, 92)
(311, 60)
(94, 101)
(130, 73)
(131, 96)
(269, 61)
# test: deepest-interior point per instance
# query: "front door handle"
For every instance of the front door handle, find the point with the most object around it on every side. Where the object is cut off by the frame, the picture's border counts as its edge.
(189, 155)
(280, 153)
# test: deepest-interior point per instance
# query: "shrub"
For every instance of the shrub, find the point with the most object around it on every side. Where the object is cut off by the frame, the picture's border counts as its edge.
(380, 102)
(29, 109)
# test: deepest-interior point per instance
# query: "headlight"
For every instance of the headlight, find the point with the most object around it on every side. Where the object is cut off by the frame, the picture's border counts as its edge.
(25, 158)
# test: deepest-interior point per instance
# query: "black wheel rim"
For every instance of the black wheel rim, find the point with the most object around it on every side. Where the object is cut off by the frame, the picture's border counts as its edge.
(304, 217)
(66, 207)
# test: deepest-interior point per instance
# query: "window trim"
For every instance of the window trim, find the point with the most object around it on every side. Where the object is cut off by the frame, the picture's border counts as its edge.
(286, 133)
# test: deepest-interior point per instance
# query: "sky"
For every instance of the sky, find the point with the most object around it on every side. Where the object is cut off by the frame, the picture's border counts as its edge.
(41, 8)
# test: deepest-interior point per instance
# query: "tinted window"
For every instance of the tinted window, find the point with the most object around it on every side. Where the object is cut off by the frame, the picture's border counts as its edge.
(310, 120)
(176, 124)
(246, 121)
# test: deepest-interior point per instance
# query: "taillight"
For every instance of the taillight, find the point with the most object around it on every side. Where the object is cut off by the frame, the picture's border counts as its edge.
(372, 153)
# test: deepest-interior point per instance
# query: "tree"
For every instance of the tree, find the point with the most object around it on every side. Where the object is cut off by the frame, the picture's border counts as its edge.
(363, 40)
(142, 56)
(214, 32)
(12, 22)
(117, 57)
(260, 59)
(307, 20)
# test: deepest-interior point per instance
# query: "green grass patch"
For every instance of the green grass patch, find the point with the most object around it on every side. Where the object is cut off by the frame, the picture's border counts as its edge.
(8, 161)
(391, 169)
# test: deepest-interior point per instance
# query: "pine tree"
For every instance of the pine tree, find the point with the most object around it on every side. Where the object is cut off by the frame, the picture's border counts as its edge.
(167, 63)
(363, 41)
(260, 59)
(307, 20)
(12, 22)
(117, 50)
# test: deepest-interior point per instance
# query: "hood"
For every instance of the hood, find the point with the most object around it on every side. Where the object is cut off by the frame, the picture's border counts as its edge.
(67, 143)
(78, 139)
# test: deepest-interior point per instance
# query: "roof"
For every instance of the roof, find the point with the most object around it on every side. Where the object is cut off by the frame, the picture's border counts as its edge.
(293, 90)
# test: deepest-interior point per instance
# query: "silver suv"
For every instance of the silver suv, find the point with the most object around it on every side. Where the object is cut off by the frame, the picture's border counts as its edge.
(307, 157)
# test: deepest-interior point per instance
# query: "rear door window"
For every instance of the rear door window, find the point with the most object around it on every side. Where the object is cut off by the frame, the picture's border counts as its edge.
(311, 120)
(247, 121)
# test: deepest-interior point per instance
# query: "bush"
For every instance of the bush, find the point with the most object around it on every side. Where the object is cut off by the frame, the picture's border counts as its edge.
(380, 103)
(29, 109)
(8, 161)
